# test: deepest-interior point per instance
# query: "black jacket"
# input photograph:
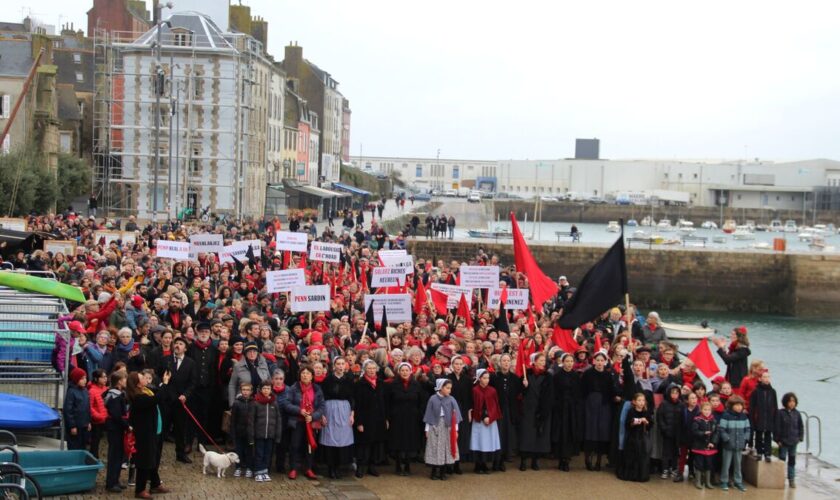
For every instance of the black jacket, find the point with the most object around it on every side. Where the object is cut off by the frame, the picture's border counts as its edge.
(405, 407)
(789, 428)
(183, 380)
(736, 364)
(239, 418)
(763, 408)
(206, 364)
(669, 418)
(76, 407)
(370, 412)
(699, 427)
(117, 407)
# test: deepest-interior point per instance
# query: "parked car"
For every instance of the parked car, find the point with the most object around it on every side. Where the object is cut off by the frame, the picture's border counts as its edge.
(548, 198)
(422, 197)
(474, 197)
(449, 192)
(597, 200)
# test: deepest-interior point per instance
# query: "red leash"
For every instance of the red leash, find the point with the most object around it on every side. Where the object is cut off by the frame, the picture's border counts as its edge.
(184, 404)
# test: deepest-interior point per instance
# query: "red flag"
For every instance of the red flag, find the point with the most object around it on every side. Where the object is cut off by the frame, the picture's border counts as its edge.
(503, 297)
(703, 359)
(542, 287)
(453, 437)
(420, 298)
(523, 356)
(440, 300)
(464, 310)
(564, 339)
(532, 323)
(287, 259)
(302, 262)
(598, 342)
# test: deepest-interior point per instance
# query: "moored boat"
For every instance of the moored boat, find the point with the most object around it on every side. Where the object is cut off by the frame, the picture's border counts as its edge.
(687, 332)
(729, 226)
(613, 227)
(474, 233)
(665, 226)
(709, 225)
(632, 223)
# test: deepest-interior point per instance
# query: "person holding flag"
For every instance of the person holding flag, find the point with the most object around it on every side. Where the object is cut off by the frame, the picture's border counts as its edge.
(304, 404)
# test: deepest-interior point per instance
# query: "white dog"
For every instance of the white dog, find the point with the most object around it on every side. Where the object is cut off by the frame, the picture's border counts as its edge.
(217, 460)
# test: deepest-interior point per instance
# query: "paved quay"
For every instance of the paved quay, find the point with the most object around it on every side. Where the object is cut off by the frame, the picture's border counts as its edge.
(820, 482)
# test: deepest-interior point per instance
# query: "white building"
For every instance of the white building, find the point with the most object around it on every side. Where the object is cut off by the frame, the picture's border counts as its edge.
(754, 184)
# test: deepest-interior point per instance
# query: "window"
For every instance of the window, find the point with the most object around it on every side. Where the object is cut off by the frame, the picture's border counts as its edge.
(7, 144)
(80, 77)
(695, 176)
(198, 88)
(77, 58)
(5, 105)
(181, 38)
(195, 161)
(456, 171)
(418, 171)
(739, 196)
(666, 175)
(82, 109)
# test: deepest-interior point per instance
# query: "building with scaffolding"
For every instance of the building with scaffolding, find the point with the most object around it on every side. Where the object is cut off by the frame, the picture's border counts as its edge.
(210, 128)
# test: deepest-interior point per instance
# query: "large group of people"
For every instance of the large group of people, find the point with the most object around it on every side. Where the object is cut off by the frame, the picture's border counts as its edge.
(198, 352)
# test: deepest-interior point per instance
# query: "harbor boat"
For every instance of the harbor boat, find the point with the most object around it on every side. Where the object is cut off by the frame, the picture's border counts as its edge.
(729, 226)
(762, 228)
(686, 230)
(776, 225)
(742, 234)
(684, 223)
(761, 245)
(497, 234)
(686, 332)
(654, 239)
(790, 226)
(817, 244)
(750, 224)
(613, 227)
(709, 225)
(719, 239)
(632, 223)
(665, 226)
(809, 234)
(647, 221)
(830, 229)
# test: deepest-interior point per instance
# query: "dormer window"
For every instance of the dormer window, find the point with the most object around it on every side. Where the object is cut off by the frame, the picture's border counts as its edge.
(181, 37)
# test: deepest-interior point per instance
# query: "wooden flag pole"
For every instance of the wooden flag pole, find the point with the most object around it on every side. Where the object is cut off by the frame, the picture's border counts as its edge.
(364, 332)
(310, 319)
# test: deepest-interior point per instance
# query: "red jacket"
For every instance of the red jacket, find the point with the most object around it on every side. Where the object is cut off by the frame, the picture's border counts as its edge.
(98, 412)
(485, 403)
(748, 385)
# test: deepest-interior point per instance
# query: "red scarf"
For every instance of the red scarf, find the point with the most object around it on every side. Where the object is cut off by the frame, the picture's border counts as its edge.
(307, 402)
(278, 390)
(203, 345)
(371, 381)
(320, 378)
(537, 370)
(405, 382)
(264, 400)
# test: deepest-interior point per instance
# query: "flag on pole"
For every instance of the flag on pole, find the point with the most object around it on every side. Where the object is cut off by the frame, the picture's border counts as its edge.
(439, 299)
(420, 298)
(542, 287)
(704, 360)
(464, 311)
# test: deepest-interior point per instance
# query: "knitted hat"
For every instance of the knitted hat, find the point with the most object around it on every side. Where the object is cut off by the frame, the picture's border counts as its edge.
(251, 345)
(77, 374)
(137, 301)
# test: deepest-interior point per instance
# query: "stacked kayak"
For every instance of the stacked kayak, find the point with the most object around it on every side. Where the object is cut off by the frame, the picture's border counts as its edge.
(19, 412)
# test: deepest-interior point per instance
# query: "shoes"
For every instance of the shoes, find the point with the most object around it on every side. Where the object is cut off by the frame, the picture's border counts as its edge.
(707, 478)
(457, 468)
(160, 490)
(309, 475)
(535, 465)
(248, 473)
(372, 471)
(124, 466)
(114, 489)
(522, 466)
(724, 487)
(184, 460)
(142, 494)
(679, 478)
(434, 476)
(293, 474)
(237, 473)
(266, 478)
(259, 478)
(740, 487)
(359, 473)
(665, 474)
(792, 483)
(122, 486)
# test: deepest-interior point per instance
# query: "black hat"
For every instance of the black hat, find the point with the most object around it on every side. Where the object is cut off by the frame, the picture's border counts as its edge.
(643, 348)
(237, 340)
(202, 326)
(251, 345)
(180, 339)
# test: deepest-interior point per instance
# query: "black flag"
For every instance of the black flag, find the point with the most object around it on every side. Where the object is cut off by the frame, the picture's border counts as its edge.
(384, 326)
(602, 288)
(252, 259)
(369, 319)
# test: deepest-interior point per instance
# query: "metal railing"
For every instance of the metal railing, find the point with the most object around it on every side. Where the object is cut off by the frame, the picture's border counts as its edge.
(818, 422)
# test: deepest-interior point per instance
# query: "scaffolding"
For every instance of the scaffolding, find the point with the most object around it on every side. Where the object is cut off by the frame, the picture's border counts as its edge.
(209, 144)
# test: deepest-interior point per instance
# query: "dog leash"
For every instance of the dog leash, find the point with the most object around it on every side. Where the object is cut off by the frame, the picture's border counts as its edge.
(184, 404)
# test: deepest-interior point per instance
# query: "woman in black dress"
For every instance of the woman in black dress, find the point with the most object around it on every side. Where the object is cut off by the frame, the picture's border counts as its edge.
(598, 387)
(537, 400)
(635, 463)
(405, 402)
(508, 387)
(462, 385)
(567, 417)
(145, 421)
(370, 426)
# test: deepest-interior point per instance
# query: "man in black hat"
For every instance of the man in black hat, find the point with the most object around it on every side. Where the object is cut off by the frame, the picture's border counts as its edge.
(181, 387)
(205, 393)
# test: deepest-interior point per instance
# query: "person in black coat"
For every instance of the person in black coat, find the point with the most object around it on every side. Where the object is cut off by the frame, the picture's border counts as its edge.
(144, 418)
(205, 394)
(508, 387)
(763, 408)
(736, 357)
(369, 424)
(599, 390)
(116, 424)
(180, 389)
(635, 462)
(788, 432)
(537, 402)
(567, 414)
(669, 422)
(405, 403)
(462, 384)
(337, 436)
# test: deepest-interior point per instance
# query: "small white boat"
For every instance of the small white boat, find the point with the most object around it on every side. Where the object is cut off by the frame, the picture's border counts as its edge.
(818, 245)
(830, 230)
(761, 245)
(613, 227)
(776, 225)
(742, 234)
(750, 224)
(647, 221)
(686, 231)
(632, 223)
(729, 226)
(686, 332)
(684, 223)
(709, 225)
(719, 239)
(665, 226)
(809, 234)
(790, 226)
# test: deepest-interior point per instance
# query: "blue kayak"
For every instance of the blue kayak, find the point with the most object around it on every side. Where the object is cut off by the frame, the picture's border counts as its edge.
(23, 413)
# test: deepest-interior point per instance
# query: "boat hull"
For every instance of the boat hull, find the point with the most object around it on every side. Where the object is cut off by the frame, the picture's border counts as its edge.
(687, 332)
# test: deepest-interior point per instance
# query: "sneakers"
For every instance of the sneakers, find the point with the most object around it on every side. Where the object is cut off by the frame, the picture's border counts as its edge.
(740, 487)
(248, 473)
(259, 478)
(665, 474)
(237, 473)
(293, 474)
(724, 487)
(266, 478)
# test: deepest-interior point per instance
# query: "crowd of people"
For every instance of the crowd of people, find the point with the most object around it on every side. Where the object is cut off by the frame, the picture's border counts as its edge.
(199, 352)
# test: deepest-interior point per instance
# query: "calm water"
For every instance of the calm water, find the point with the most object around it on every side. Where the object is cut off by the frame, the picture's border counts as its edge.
(597, 234)
(798, 353)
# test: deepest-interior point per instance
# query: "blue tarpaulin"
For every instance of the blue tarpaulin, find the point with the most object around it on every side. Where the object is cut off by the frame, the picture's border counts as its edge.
(350, 189)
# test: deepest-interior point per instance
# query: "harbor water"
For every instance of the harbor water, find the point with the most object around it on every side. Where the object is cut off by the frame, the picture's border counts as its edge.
(802, 357)
(597, 234)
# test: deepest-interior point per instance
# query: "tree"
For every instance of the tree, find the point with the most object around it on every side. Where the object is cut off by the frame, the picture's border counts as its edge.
(73, 179)
(396, 179)
(26, 185)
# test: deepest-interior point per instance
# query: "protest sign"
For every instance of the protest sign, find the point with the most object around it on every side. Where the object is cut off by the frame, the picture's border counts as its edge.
(479, 276)
(311, 298)
(325, 252)
(206, 243)
(398, 306)
(453, 294)
(284, 281)
(178, 250)
(517, 298)
(293, 242)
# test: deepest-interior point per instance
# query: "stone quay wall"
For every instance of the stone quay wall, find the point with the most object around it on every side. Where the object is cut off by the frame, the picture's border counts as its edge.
(696, 279)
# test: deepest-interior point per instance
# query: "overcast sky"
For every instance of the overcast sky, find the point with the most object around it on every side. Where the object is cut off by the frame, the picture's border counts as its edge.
(501, 79)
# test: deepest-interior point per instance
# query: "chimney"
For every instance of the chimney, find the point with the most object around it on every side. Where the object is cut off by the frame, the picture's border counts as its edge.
(293, 55)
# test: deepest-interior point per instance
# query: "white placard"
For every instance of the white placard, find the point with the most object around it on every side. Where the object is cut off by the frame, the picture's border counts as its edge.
(206, 243)
(293, 242)
(13, 224)
(479, 276)
(108, 236)
(66, 247)
(129, 237)
(284, 281)
(178, 250)
(388, 257)
(311, 298)
(398, 306)
(387, 276)
(453, 294)
(238, 249)
(517, 298)
(325, 252)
